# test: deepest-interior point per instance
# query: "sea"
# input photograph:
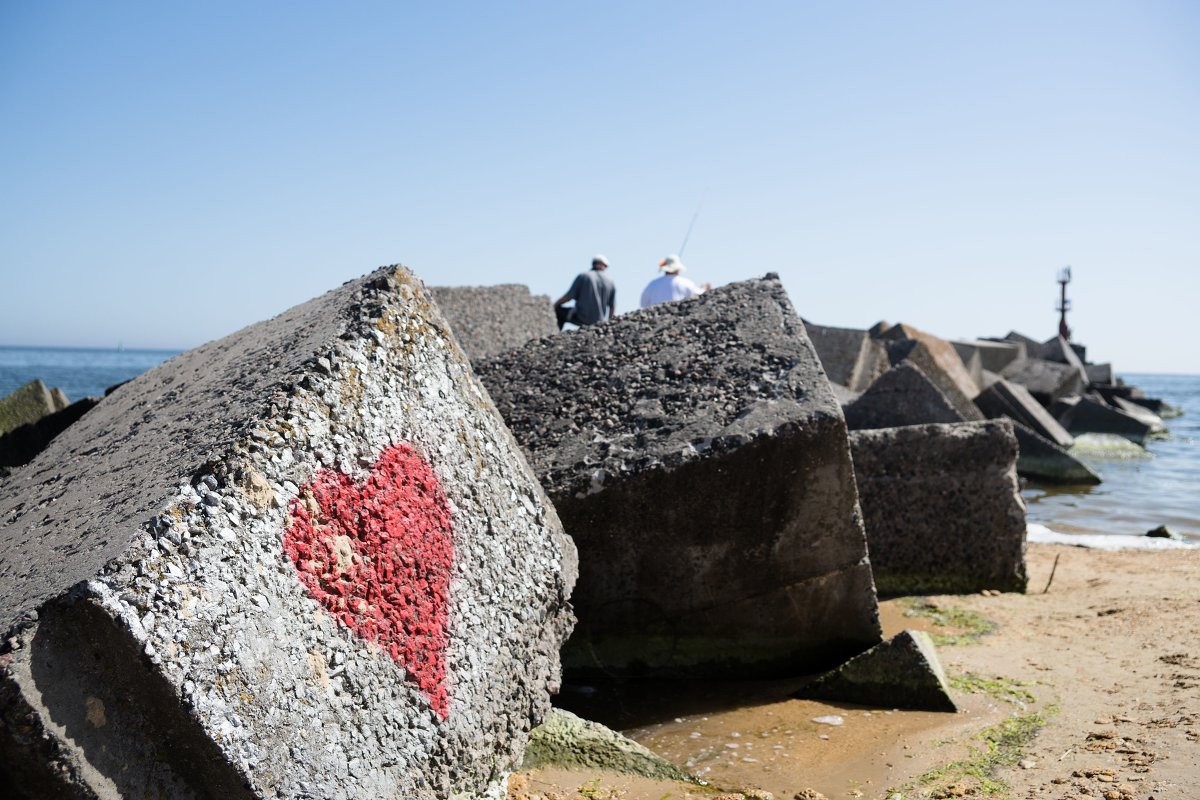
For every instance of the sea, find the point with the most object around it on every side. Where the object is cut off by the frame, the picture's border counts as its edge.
(1139, 492)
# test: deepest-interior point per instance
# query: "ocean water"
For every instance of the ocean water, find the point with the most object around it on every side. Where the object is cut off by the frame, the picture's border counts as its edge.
(1160, 488)
(80, 372)
(1138, 494)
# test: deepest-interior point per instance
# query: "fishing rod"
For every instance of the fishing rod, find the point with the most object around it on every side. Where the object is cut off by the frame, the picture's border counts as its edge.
(692, 224)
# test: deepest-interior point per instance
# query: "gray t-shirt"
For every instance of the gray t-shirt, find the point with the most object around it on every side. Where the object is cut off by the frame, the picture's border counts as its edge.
(594, 294)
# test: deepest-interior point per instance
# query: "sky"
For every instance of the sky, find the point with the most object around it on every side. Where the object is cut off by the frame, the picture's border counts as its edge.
(171, 172)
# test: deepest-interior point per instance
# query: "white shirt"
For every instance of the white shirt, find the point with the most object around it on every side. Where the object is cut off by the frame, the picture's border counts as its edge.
(667, 287)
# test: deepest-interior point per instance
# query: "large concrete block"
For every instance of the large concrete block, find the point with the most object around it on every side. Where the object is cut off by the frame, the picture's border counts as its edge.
(306, 560)
(1040, 459)
(1047, 381)
(26, 405)
(697, 456)
(1060, 351)
(940, 363)
(22, 444)
(851, 357)
(1099, 373)
(491, 319)
(901, 396)
(1004, 399)
(941, 507)
(1092, 415)
(993, 356)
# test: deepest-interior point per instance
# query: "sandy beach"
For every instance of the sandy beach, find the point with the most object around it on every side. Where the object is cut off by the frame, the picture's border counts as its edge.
(1089, 689)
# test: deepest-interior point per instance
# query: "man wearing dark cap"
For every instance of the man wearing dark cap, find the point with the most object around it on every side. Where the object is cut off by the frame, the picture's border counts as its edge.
(594, 295)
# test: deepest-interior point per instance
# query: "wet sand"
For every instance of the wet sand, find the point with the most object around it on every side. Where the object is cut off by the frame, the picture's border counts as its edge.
(1108, 659)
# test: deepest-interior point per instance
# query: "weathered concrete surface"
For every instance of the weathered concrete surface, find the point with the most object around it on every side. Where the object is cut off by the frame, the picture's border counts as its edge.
(993, 356)
(1042, 460)
(1047, 381)
(1004, 399)
(697, 456)
(902, 672)
(1092, 415)
(941, 507)
(901, 396)
(306, 560)
(26, 405)
(491, 319)
(21, 444)
(851, 357)
(565, 740)
(940, 363)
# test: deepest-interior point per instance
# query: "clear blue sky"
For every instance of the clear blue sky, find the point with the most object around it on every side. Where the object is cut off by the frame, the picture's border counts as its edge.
(171, 172)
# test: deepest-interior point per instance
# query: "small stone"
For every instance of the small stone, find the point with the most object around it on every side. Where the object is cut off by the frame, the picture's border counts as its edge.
(829, 719)
(1026, 763)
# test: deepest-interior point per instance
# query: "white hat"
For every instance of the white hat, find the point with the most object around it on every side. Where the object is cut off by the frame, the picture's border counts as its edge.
(600, 258)
(671, 264)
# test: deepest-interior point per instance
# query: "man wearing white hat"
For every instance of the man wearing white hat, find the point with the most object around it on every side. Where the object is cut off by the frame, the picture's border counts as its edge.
(594, 295)
(671, 285)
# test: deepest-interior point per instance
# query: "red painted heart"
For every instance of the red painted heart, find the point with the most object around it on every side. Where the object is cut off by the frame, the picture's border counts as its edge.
(377, 555)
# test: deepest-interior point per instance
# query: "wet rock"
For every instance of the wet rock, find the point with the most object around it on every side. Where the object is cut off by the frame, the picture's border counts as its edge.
(851, 357)
(565, 740)
(491, 319)
(1140, 413)
(901, 396)
(1164, 532)
(251, 572)
(696, 454)
(1005, 399)
(902, 672)
(941, 507)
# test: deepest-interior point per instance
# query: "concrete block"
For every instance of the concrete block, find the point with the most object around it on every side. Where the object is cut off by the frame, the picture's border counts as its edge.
(1004, 399)
(306, 560)
(1087, 415)
(696, 454)
(25, 405)
(1139, 412)
(20, 445)
(901, 396)
(1099, 373)
(851, 358)
(1033, 346)
(1047, 381)
(59, 398)
(902, 672)
(993, 356)
(941, 507)
(1060, 351)
(1041, 460)
(943, 367)
(567, 741)
(491, 319)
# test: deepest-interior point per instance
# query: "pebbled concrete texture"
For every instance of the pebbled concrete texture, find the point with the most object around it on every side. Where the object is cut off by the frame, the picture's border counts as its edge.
(491, 319)
(696, 454)
(902, 672)
(149, 598)
(942, 507)
(901, 396)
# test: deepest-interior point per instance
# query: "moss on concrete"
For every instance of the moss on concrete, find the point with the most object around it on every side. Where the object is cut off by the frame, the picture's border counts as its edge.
(565, 740)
